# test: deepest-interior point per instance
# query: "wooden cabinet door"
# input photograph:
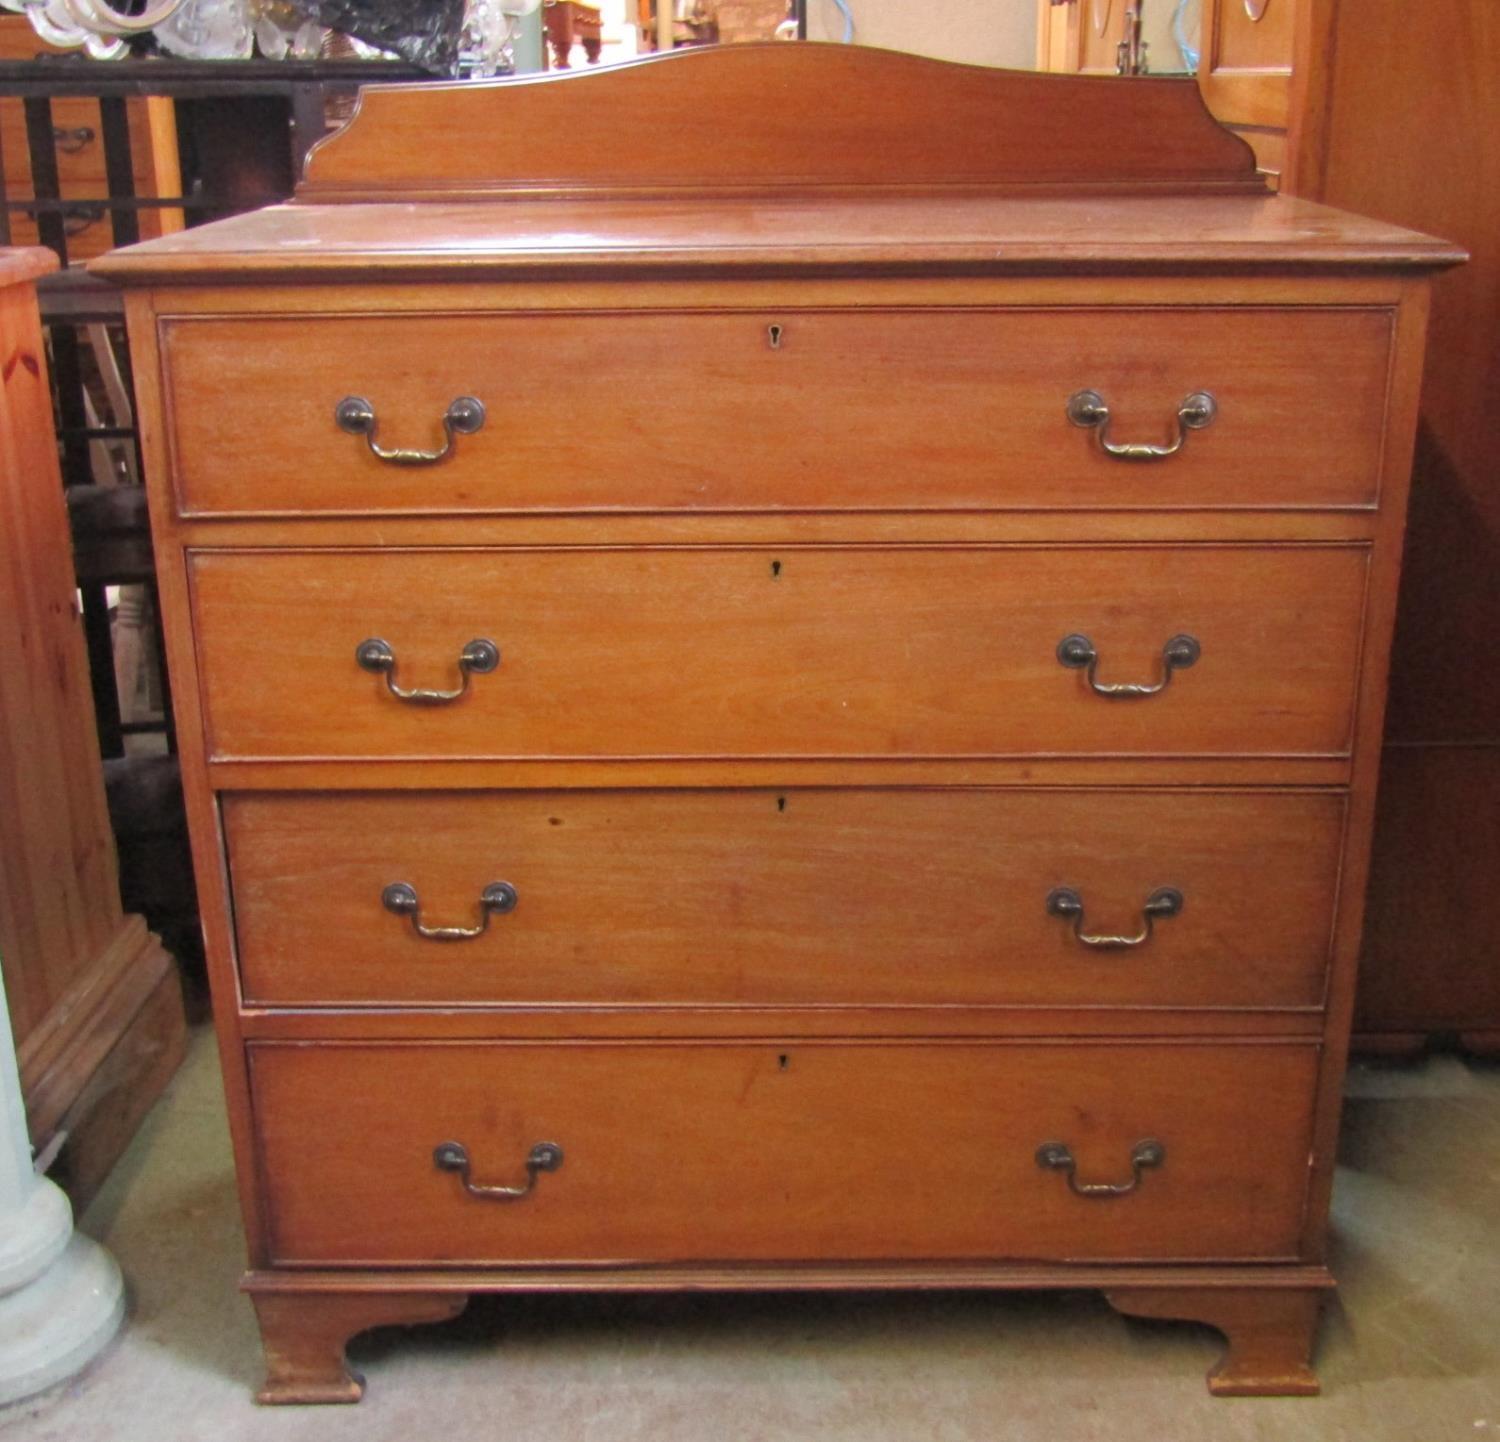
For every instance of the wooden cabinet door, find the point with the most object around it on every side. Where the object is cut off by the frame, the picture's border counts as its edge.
(1397, 116)
(1246, 70)
(1080, 36)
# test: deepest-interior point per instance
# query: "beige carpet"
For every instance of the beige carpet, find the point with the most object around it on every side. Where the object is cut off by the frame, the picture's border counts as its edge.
(1411, 1352)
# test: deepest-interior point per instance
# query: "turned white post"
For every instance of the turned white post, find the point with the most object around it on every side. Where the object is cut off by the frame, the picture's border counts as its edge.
(61, 1295)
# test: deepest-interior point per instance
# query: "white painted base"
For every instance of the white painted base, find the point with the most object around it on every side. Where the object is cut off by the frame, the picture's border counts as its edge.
(61, 1298)
(54, 1325)
(33, 1236)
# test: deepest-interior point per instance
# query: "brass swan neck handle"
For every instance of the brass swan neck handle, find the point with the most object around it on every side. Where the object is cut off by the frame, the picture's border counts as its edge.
(478, 658)
(400, 898)
(1078, 653)
(1165, 901)
(1058, 1157)
(356, 417)
(1089, 410)
(454, 1157)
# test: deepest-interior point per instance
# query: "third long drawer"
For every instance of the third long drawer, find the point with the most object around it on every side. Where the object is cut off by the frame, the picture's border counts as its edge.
(799, 897)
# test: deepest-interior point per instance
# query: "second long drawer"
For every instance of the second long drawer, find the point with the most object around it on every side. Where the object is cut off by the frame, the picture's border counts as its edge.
(862, 652)
(804, 897)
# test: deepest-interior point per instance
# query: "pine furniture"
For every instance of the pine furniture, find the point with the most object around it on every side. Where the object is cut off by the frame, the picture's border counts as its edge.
(898, 820)
(95, 1003)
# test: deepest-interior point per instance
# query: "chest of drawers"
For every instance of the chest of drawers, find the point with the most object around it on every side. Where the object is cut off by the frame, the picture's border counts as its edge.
(880, 796)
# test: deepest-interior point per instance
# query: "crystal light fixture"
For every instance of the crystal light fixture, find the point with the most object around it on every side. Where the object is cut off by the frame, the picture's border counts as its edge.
(232, 29)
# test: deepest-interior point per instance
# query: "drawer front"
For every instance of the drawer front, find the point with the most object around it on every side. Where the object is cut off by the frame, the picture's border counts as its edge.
(80, 173)
(88, 233)
(822, 897)
(79, 147)
(741, 653)
(81, 169)
(848, 410)
(791, 1152)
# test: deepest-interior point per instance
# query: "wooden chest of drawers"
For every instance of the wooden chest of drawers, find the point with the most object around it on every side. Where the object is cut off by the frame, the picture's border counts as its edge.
(883, 800)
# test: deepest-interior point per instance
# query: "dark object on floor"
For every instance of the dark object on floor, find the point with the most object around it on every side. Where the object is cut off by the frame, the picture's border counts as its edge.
(156, 865)
(112, 547)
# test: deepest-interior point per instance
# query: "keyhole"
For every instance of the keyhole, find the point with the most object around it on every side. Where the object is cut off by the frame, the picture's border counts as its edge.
(774, 333)
(781, 803)
(783, 1061)
(775, 569)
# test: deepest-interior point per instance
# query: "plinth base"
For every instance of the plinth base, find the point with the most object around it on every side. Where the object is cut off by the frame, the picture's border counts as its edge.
(57, 1323)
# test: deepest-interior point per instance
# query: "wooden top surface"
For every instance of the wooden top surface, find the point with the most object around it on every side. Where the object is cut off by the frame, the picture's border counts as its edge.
(809, 158)
(738, 235)
(23, 263)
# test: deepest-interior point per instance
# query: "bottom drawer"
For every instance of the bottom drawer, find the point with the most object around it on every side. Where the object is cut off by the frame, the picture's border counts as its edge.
(808, 1151)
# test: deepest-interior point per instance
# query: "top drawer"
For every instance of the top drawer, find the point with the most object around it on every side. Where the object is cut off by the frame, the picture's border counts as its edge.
(777, 410)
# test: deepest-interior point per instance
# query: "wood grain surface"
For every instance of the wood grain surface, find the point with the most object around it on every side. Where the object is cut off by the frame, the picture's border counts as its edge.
(880, 652)
(768, 898)
(59, 884)
(946, 234)
(899, 121)
(1396, 114)
(830, 572)
(95, 1004)
(860, 409)
(677, 1153)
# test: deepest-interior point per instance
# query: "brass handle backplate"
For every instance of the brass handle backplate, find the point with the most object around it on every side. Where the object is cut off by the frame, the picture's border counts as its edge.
(1063, 901)
(454, 1157)
(1078, 653)
(400, 898)
(356, 415)
(1089, 410)
(478, 658)
(1058, 1157)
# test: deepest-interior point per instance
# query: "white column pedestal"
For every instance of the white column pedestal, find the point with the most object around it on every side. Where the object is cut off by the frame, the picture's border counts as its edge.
(61, 1295)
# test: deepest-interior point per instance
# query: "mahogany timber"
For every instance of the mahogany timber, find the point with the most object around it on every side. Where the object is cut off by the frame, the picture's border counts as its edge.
(1270, 1335)
(791, 233)
(857, 408)
(900, 123)
(92, 995)
(870, 1151)
(681, 652)
(854, 897)
(305, 1342)
(679, 662)
(1267, 1315)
